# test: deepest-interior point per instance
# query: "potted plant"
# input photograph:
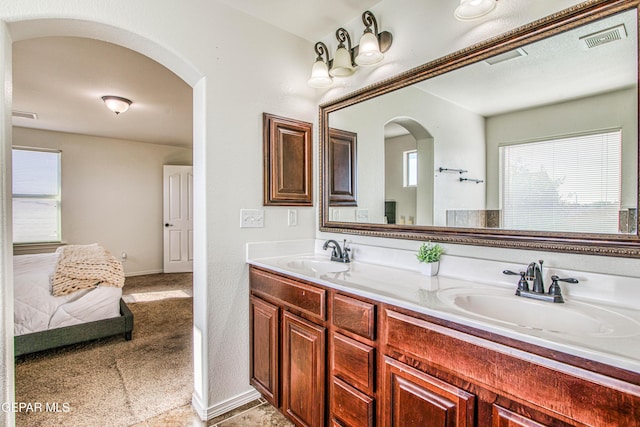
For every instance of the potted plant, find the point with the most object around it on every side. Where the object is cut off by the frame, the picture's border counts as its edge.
(429, 257)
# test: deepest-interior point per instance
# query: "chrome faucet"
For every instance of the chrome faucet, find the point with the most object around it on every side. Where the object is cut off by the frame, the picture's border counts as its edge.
(534, 275)
(337, 253)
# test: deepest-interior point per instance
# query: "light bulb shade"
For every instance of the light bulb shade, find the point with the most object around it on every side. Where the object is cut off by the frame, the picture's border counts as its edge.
(320, 75)
(116, 104)
(474, 9)
(342, 65)
(369, 50)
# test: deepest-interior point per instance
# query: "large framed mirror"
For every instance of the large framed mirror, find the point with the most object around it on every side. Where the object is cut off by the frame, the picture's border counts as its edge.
(528, 140)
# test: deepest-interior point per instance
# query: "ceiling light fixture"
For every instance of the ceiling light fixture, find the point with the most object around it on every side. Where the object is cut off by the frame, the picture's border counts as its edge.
(117, 104)
(474, 9)
(370, 51)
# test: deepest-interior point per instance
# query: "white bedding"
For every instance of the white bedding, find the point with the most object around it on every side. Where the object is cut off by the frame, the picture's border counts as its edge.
(35, 309)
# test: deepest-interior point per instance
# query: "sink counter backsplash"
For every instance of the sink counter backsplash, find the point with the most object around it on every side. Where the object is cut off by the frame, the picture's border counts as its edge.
(600, 319)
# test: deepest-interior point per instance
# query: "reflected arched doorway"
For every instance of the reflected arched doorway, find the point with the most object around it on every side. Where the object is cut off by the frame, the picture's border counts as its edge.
(409, 172)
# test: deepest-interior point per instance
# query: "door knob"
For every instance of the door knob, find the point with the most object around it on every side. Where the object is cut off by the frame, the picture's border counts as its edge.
(168, 225)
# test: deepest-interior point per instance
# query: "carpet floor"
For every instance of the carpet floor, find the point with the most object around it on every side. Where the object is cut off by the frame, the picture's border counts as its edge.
(113, 382)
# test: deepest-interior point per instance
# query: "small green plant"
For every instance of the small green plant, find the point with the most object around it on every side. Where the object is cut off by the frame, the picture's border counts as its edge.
(429, 252)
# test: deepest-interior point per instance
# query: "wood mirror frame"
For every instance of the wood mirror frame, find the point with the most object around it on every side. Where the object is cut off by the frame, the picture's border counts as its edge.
(623, 245)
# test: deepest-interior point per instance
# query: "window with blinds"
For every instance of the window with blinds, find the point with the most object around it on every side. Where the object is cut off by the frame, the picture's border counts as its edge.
(36, 196)
(565, 184)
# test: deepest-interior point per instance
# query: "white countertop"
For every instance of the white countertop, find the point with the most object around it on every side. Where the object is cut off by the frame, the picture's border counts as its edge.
(367, 276)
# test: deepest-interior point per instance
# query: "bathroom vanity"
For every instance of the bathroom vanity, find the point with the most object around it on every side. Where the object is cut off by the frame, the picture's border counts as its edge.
(363, 344)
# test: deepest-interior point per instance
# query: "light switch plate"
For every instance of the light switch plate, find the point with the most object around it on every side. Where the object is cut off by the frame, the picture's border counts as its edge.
(292, 217)
(251, 218)
(362, 215)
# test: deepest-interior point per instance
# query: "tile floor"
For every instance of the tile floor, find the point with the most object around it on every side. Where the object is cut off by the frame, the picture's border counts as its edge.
(258, 413)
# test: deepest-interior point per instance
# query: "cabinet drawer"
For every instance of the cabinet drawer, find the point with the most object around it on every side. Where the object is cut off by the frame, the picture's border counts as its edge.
(353, 362)
(350, 406)
(304, 297)
(354, 316)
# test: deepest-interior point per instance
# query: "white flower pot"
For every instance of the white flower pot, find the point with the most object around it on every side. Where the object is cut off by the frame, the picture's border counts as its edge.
(429, 269)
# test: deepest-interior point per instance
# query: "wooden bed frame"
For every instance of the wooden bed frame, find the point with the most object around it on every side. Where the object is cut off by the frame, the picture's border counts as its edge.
(52, 338)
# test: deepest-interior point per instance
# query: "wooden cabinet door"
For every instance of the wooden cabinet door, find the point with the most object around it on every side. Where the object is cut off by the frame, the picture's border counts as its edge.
(288, 161)
(264, 348)
(303, 370)
(413, 398)
(343, 168)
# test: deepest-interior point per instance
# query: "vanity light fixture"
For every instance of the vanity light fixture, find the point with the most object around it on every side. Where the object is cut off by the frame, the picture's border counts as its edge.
(370, 51)
(117, 104)
(343, 59)
(320, 72)
(473, 9)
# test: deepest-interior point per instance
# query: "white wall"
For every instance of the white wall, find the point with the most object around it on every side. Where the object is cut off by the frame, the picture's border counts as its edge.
(111, 192)
(215, 49)
(6, 248)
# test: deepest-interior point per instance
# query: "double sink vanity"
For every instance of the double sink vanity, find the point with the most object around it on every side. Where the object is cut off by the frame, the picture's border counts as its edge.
(374, 342)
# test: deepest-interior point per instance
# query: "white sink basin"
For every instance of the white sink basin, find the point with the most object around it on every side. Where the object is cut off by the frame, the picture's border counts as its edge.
(571, 318)
(314, 265)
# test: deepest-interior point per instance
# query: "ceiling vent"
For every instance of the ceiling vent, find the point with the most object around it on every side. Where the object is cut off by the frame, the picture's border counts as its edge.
(507, 56)
(24, 115)
(605, 36)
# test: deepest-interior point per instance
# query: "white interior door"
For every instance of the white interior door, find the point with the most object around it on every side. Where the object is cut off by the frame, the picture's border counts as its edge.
(178, 219)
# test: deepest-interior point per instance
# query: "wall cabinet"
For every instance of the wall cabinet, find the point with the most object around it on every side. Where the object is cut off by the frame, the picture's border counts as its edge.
(325, 357)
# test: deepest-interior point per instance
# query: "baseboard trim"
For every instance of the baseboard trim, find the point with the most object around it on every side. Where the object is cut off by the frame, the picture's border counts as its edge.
(225, 406)
(143, 273)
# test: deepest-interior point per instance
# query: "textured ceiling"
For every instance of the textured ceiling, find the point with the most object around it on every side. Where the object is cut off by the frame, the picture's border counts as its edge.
(62, 80)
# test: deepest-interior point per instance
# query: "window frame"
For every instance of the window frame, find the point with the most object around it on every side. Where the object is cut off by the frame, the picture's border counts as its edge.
(406, 170)
(57, 197)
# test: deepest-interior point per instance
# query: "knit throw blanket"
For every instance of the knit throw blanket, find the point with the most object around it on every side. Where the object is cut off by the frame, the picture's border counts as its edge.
(85, 267)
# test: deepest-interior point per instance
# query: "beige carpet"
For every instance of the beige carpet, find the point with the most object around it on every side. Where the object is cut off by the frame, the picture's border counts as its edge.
(113, 382)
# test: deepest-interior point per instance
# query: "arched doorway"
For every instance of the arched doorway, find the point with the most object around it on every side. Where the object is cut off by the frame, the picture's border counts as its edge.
(409, 171)
(22, 30)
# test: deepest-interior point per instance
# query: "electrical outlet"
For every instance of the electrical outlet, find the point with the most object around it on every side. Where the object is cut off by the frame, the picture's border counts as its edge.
(251, 218)
(292, 217)
(362, 215)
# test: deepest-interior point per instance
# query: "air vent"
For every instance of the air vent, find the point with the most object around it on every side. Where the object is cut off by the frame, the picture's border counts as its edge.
(24, 115)
(605, 36)
(507, 56)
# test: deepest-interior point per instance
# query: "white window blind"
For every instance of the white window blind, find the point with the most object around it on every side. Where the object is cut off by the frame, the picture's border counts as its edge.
(36, 196)
(566, 184)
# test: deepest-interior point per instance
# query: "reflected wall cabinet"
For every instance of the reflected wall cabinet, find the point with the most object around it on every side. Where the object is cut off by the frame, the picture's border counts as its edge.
(288, 161)
(342, 168)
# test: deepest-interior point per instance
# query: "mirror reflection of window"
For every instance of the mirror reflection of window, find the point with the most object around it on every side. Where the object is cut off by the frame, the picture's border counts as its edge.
(410, 166)
(563, 184)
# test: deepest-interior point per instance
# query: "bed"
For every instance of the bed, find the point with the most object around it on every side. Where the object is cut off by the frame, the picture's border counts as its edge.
(44, 321)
